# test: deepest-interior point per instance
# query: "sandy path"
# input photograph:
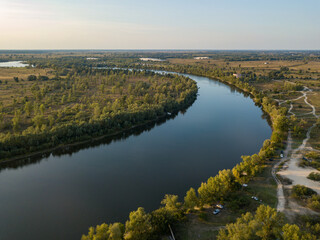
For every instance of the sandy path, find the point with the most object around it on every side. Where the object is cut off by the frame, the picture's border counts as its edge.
(280, 194)
(291, 170)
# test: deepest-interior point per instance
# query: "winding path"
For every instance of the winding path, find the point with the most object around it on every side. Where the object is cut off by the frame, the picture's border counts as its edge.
(291, 170)
(280, 193)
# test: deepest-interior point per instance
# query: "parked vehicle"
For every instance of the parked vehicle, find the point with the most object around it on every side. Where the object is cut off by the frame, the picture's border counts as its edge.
(216, 211)
(219, 206)
(255, 198)
(244, 185)
(281, 155)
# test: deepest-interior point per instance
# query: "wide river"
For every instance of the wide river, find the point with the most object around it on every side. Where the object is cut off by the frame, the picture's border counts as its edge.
(62, 194)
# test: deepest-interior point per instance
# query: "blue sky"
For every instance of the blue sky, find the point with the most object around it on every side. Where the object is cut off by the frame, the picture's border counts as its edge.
(163, 24)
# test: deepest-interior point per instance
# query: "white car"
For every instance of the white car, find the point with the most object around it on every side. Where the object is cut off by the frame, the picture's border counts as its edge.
(255, 198)
(216, 211)
(281, 155)
(219, 206)
(245, 185)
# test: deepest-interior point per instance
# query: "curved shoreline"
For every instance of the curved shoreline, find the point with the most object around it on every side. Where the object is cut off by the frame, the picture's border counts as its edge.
(40, 153)
(239, 95)
(49, 150)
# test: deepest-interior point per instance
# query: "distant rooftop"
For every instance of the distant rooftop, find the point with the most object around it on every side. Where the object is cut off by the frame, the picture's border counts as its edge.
(201, 58)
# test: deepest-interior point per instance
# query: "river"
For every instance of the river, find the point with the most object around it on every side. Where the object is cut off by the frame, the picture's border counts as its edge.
(60, 195)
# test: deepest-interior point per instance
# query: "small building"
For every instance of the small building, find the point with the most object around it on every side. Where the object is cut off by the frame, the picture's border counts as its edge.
(152, 59)
(237, 75)
(201, 58)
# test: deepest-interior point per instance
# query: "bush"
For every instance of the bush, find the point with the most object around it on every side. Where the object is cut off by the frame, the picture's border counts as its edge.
(314, 176)
(300, 191)
(314, 202)
(313, 155)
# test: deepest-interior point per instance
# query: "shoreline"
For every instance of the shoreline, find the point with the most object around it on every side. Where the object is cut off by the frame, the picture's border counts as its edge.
(189, 99)
(40, 153)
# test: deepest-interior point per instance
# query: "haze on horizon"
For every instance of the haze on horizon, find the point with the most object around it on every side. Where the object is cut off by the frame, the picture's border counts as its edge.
(150, 24)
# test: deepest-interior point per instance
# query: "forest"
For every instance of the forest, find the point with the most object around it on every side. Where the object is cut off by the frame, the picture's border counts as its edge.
(75, 104)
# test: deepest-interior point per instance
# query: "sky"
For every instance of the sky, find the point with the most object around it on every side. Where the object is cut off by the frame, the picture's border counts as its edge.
(160, 24)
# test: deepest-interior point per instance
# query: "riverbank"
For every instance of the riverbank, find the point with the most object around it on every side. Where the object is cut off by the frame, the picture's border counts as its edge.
(288, 165)
(209, 191)
(78, 123)
(41, 153)
(193, 141)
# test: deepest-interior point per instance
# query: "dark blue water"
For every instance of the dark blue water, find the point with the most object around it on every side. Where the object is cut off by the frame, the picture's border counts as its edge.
(59, 197)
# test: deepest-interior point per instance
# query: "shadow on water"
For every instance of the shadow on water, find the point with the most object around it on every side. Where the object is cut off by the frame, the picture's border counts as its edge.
(71, 149)
(60, 194)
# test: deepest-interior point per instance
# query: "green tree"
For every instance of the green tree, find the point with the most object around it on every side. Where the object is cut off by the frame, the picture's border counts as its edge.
(269, 221)
(265, 224)
(100, 232)
(42, 109)
(38, 120)
(138, 227)
(28, 108)
(291, 232)
(191, 199)
(116, 231)
(16, 120)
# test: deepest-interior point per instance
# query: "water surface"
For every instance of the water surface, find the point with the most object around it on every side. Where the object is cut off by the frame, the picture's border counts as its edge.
(60, 196)
(13, 64)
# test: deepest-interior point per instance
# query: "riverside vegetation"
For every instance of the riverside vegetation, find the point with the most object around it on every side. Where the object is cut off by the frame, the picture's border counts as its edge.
(41, 112)
(215, 189)
(226, 187)
(266, 223)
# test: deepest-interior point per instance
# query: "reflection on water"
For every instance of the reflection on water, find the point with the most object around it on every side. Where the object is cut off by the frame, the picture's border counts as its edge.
(71, 149)
(60, 195)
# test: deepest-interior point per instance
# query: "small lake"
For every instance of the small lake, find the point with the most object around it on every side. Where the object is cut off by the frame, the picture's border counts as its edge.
(60, 196)
(13, 64)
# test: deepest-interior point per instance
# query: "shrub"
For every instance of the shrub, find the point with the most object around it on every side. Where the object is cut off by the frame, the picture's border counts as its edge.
(314, 176)
(300, 191)
(314, 202)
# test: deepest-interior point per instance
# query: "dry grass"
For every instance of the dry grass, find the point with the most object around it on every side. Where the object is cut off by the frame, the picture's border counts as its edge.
(13, 90)
(22, 73)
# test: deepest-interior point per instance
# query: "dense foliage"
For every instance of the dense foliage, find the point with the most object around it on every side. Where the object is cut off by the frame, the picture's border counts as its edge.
(265, 224)
(87, 103)
(142, 225)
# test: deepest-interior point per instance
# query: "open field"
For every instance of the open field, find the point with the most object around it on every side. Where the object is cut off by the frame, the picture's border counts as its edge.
(10, 89)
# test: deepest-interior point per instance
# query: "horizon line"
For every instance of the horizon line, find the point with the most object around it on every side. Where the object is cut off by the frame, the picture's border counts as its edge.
(149, 49)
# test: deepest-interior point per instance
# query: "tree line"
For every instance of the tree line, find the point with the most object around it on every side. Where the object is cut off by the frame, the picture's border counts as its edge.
(87, 103)
(219, 187)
